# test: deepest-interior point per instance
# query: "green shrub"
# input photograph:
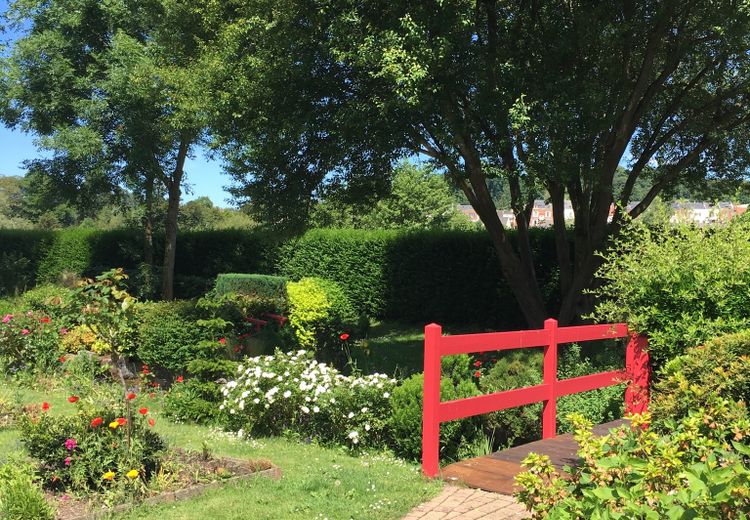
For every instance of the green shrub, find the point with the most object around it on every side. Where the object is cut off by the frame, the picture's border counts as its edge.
(319, 312)
(168, 334)
(29, 340)
(20, 254)
(458, 439)
(721, 367)
(680, 286)
(252, 284)
(21, 498)
(70, 252)
(697, 469)
(47, 298)
(194, 401)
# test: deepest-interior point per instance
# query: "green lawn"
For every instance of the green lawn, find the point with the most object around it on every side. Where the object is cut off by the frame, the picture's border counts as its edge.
(317, 482)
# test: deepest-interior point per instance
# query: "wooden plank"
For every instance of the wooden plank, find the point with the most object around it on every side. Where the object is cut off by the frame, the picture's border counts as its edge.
(490, 341)
(459, 408)
(496, 472)
(576, 385)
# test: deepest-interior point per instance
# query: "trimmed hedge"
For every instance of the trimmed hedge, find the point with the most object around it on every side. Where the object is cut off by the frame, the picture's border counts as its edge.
(443, 276)
(252, 284)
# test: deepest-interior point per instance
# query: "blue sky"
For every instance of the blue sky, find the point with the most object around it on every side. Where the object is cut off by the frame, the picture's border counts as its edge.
(204, 176)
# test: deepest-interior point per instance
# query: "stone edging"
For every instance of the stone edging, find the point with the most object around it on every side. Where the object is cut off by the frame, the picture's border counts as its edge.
(274, 472)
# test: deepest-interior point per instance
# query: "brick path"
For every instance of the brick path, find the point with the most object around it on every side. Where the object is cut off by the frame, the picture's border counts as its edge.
(456, 503)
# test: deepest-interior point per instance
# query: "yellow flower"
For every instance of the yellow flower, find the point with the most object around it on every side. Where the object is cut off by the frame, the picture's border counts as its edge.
(133, 473)
(114, 425)
(110, 475)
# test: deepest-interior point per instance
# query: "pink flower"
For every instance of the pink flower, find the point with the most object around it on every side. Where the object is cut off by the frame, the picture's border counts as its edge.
(7, 318)
(223, 341)
(70, 444)
(30, 313)
(63, 331)
(67, 461)
(25, 332)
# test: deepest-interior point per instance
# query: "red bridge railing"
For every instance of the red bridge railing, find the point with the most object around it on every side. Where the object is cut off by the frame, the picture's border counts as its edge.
(636, 374)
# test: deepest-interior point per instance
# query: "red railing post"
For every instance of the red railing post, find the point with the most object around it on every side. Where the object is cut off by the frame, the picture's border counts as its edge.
(430, 418)
(638, 369)
(549, 413)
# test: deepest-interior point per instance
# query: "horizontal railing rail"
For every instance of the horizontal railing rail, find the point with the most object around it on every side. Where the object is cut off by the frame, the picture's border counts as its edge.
(436, 346)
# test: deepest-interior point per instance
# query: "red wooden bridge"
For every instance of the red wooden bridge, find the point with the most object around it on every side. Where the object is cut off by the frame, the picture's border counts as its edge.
(496, 472)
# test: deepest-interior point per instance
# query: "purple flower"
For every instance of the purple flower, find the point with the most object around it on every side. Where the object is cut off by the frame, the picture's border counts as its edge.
(71, 444)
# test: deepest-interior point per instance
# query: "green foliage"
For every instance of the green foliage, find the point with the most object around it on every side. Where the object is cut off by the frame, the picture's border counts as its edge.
(52, 300)
(680, 286)
(458, 439)
(193, 401)
(21, 498)
(443, 276)
(319, 312)
(29, 340)
(21, 253)
(168, 334)
(252, 284)
(698, 468)
(97, 448)
(70, 252)
(720, 367)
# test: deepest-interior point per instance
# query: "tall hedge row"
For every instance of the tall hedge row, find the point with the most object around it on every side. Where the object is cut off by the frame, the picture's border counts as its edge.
(444, 276)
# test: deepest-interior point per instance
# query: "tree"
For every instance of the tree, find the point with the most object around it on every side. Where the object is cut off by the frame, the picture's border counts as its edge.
(418, 199)
(114, 90)
(552, 96)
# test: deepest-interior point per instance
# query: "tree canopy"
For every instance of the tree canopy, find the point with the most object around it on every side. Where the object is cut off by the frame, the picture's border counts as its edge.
(552, 96)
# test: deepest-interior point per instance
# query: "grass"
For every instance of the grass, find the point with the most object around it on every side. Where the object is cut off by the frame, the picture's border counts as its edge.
(317, 482)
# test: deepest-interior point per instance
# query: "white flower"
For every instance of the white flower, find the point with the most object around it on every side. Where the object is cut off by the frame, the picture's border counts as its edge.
(304, 409)
(287, 394)
(256, 400)
(353, 434)
(364, 409)
(316, 409)
(386, 395)
(367, 427)
(351, 414)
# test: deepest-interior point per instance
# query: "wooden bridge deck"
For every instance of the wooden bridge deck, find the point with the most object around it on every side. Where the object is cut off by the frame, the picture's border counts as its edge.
(496, 472)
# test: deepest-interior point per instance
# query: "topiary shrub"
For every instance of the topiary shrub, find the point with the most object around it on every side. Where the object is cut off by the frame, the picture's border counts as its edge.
(319, 313)
(458, 439)
(720, 367)
(252, 284)
(168, 334)
(680, 286)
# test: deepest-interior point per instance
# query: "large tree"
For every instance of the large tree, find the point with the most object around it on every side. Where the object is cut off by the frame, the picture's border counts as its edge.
(551, 95)
(114, 90)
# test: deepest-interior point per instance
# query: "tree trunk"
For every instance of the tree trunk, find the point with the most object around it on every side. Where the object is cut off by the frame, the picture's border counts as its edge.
(173, 209)
(148, 224)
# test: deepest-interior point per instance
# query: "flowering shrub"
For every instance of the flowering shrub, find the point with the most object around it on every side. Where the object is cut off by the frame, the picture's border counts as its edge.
(29, 340)
(293, 391)
(93, 449)
(700, 469)
(84, 337)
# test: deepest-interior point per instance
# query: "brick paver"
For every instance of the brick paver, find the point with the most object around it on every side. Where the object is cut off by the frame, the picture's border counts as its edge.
(457, 503)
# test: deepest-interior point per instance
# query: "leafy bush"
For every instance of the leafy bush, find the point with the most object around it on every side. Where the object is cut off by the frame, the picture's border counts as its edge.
(194, 401)
(93, 449)
(21, 498)
(47, 298)
(252, 284)
(168, 334)
(29, 340)
(721, 367)
(319, 312)
(83, 337)
(521, 368)
(699, 469)
(294, 392)
(680, 286)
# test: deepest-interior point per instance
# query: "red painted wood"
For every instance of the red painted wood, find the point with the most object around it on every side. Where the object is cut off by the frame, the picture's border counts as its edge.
(577, 385)
(460, 408)
(637, 372)
(638, 369)
(591, 332)
(489, 341)
(431, 404)
(549, 411)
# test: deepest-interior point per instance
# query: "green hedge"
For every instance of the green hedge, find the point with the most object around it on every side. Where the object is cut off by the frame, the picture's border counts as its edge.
(252, 284)
(444, 276)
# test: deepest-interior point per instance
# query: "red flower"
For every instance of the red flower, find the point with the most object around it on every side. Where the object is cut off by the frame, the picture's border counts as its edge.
(95, 423)
(151, 395)
(122, 421)
(62, 359)
(151, 422)
(145, 365)
(236, 349)
(45, 406)
(45, 319)
(130, 397)
(477, 363)
(145, 371)
(143, 411)
(180, 379)
(477, 374)
(344, 336)
(73, 399)
(223, 341)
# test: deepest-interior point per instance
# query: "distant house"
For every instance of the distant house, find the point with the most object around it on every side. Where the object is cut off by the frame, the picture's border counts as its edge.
(541, 214)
